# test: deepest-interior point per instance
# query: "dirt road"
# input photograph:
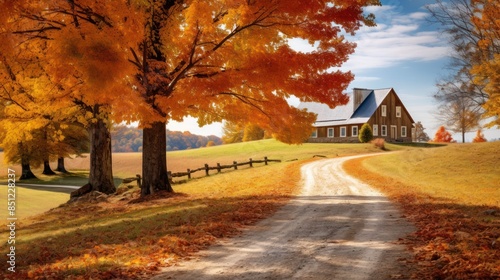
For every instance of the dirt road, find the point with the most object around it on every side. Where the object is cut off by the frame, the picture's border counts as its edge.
(338, 228)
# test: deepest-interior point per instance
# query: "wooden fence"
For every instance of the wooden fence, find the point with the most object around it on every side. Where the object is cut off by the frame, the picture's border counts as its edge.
(220, 167)
(205, 168)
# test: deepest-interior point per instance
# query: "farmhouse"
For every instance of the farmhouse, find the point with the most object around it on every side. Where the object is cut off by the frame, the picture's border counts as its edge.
(381, 108)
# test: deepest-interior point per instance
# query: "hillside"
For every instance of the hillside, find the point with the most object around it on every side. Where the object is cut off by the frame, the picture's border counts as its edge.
(452, 195)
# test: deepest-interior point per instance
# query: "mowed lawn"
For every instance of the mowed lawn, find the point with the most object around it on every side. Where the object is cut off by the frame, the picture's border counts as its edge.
(452, 194)
(31, 201)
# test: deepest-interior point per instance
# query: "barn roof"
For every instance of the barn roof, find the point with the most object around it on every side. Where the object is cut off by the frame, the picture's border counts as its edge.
(345, 114)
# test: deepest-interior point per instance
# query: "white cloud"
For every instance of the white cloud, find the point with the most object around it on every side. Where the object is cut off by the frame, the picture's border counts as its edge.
(398, 38)
(366, 79)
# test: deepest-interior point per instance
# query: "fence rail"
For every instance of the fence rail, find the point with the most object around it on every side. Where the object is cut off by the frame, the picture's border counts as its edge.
(205, 168)
(220, 167)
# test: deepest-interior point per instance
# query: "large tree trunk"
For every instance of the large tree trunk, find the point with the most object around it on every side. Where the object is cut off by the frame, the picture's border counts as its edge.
(46, 168)
(154, 159)
(60, 165)
(26, 170)
(101, 172)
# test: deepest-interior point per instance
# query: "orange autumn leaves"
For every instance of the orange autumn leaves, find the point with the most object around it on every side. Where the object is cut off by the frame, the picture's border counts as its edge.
(122, 240)
(213, 60)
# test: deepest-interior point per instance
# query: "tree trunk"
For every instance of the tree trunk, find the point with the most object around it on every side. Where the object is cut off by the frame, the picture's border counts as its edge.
(26, 171)
(60, 165)
(46, 168)
(101, 172)
(154, 159)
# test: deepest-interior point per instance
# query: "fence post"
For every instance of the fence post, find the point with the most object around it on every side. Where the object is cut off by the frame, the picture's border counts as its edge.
(218, 167)
(206, 169)
(189, 173)
(235, 165)
(265, 160)
(169, 176)
(139, 183)
(251, 164)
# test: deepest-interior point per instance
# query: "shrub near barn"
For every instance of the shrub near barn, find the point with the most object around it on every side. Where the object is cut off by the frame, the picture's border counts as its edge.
(366, 133)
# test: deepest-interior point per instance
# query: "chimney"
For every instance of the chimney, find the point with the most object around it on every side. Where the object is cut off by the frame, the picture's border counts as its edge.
(359, 95)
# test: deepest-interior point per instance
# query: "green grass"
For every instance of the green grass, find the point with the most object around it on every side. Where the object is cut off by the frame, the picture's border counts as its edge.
(468, 173)
(31, 202)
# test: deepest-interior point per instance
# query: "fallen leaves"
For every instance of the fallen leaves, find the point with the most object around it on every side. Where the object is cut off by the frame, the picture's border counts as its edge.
(116, 239)
(453, 240)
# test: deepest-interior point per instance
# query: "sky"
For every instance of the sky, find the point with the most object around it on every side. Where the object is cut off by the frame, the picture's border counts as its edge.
(404, 51)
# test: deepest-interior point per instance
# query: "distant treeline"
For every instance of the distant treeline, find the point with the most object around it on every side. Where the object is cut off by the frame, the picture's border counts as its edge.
(129, 139)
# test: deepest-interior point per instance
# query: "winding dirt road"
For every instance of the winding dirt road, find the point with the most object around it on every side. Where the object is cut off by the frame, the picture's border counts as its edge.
(337, 228)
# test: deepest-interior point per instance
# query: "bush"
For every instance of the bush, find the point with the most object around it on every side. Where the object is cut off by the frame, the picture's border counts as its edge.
(379, 143)
(479, 137)
(365, 134)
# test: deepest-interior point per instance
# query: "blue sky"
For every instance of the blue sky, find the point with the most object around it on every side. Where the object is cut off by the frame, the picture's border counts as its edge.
(404, 51)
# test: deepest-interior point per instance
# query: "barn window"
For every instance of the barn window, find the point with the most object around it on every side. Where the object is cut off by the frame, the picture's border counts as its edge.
(398, 111)
(375, 130)
(384, 110)
(354, 131)
(384, 130)
(403, 131)
(314, 134)
(343, 131)
(330, 132)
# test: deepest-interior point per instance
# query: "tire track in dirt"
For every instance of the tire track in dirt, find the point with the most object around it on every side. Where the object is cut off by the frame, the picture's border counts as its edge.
(337, 228)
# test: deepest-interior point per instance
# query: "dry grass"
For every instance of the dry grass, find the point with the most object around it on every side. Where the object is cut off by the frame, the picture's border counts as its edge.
(128, 164)
(117, 239)
(468, 173)
(122, 240)
(449, 193)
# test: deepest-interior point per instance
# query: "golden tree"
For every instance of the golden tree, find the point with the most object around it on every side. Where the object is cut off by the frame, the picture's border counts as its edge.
(487, 67)
(77, 46)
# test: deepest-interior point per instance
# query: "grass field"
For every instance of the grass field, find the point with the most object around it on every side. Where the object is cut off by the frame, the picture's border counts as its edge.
(468, 173)
(452, 194)
(129, 164)
(31, 201)
(126, 240)
(444, 191)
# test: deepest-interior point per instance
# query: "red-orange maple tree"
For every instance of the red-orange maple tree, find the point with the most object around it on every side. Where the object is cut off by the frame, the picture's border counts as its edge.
(231, 60)
(442, 136)
(479, 137)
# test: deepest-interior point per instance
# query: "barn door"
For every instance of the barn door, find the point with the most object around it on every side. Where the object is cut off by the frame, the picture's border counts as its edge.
(394, 132)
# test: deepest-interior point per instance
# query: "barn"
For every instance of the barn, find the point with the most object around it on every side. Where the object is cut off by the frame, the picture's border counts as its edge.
(381, 108)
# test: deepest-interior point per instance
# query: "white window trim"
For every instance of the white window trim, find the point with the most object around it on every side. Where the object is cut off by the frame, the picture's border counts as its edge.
(383, 128)
(314, 134)
(328, 132)
(344, 128)
(398, 111)
(384, 110)
(353, 130)
(403, 131)
(375, 130)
